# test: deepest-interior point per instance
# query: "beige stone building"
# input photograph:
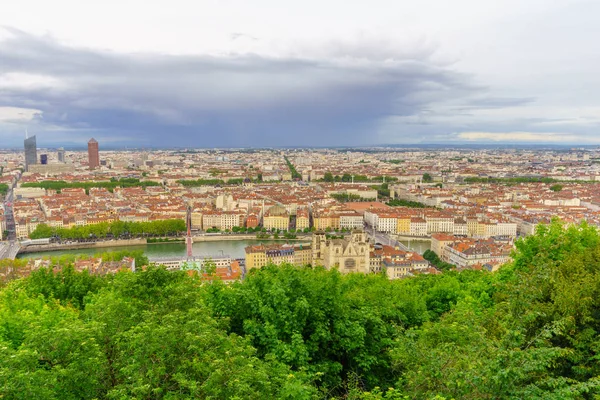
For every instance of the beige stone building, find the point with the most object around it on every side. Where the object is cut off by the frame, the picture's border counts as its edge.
(302, 218)
(260, 255)
(350, 254)
(276, 217)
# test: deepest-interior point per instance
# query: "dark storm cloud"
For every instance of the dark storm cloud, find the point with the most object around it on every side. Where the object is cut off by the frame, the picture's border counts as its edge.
(233, 100)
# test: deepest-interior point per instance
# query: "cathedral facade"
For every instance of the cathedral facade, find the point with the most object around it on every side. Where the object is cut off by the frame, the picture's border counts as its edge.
(350, 254)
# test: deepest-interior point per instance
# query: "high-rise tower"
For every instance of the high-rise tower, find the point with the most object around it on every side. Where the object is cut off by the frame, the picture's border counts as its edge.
(30, 152)
(61, 155)
(93, 156)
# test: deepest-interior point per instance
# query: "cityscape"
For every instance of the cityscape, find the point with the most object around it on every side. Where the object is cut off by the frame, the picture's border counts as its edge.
(358, 210)
(284, 200)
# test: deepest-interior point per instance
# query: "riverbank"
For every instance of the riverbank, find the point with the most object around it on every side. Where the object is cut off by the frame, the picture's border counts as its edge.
(143, 242)
(218, 249)
(415, 238)
(225, 237)
(85, 245)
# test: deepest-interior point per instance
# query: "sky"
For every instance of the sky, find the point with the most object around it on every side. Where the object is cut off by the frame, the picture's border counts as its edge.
(267, 73)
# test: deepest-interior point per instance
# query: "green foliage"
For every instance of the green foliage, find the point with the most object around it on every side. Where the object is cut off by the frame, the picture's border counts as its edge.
(3, 188)
(406, 203)
(164, 227)
(427, 178)
(534, 336)
(165, 240)
(320, 321)
(530, 330)
(349, 197)
(64, 285)
(328, 177)
(345, 197)
(556, 188)
(433, 258)
(111, 185)
(381, 178)
(211, 182)
(144, 335)
(201, 182)
(295, 174)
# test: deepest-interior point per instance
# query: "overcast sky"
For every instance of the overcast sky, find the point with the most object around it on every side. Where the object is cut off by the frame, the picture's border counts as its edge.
(232, 73)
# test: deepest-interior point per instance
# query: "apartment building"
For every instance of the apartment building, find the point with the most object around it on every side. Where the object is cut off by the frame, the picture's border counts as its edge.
(440, 224)
(222, 219)
(351, 221)
(467, 254)
(302, 218)
(260, 255)
(276, 218)
(418, 226)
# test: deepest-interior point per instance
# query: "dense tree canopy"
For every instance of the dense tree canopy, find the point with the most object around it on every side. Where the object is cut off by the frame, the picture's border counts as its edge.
(407, 203)
(143, 335)
(292, 168)
(163, 227)
(527, 331)
(109, 185)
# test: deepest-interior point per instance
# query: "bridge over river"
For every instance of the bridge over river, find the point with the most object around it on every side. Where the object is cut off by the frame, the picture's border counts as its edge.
(9, 249)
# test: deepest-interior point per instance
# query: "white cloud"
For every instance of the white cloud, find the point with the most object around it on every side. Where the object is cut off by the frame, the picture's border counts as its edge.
(17, 114)
(528, 137)
(20, 80)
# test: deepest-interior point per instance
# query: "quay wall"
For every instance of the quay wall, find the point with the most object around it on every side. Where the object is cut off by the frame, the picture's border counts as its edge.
(86, 245)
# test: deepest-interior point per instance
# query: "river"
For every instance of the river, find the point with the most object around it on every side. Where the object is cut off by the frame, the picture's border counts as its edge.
(420, 246)
(232, 248)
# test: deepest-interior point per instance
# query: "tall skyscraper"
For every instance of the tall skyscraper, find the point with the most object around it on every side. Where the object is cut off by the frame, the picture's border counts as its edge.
(93, 156)
(44, 159)
(61, 155)
(30, 152)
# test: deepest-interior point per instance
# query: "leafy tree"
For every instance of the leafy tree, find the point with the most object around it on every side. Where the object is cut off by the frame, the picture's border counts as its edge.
(146, 335)
(529, 330)
(111, 185)
(320, 321)
(537, 323)
(168, 227)
(64, 285)
(328, 177)
(295, 174)
(406, 203)
(42, 231)
(433, 258)
(427, 178)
